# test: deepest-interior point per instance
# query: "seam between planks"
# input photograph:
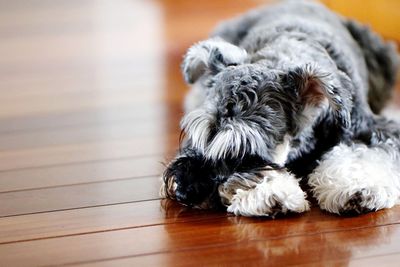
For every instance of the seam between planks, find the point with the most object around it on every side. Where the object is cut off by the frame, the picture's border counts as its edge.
(112, 230)
(83, 183)
(85, 162)
(79, 208)
(228, 244)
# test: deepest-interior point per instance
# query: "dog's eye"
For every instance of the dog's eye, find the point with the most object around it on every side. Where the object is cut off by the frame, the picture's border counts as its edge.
(232, 65)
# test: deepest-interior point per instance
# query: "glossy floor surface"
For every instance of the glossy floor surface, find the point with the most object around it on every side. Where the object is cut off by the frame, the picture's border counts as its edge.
(90, 101)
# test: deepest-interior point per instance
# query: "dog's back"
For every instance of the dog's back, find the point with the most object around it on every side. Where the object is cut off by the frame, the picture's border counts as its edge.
(370, 62)
(382, 61)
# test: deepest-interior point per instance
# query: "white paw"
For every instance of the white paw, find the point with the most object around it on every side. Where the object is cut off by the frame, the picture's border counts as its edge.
(356, 179)
(279, 192)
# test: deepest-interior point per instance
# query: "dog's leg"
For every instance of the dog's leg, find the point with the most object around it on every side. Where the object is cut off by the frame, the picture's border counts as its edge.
(358, 178)
(265, 193)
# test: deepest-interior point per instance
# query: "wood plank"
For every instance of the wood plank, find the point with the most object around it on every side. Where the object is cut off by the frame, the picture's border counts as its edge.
(75, 153)
(98, 116)
(388, 260)
(309, 251)
(99, 219)
(85, 172)
(74, 135)
(119, 130)
(26, 13)
(312, 237)
(67, 84)
(319, 249)
(79, 196)
(74, 102)
(107, 17)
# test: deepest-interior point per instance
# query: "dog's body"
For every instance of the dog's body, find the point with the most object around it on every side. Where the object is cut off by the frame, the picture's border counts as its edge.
(284, 93)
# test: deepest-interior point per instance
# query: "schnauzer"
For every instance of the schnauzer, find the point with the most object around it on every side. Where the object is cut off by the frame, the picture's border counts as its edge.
(283, 95)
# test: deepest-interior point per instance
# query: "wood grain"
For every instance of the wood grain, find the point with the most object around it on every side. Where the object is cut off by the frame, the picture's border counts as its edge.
(84, 172)
(79, 196)
(99, 219)
(73, 135)
(91, 117)
(88, 151)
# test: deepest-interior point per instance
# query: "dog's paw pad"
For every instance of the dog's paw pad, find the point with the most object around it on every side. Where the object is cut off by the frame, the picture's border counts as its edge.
(356, 204)
(276, 210)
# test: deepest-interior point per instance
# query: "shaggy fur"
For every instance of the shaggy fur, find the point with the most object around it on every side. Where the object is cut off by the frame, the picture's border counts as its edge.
(287, 93)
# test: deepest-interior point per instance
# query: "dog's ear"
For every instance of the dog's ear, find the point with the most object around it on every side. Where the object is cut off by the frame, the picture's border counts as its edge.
(210, 56)
(314, 88)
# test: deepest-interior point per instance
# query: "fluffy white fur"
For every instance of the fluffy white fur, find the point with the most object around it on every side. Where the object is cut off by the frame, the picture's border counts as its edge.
(197, 126)
(279, 192)
(347, 171)
(232, 53)
(195, 97)
(282, 151)
(232, 138)
(197, 58)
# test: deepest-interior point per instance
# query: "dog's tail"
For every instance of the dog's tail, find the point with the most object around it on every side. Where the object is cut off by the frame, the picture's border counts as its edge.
(382, 62)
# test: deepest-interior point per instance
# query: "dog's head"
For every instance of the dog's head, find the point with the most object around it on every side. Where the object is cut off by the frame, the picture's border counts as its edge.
(253, 109)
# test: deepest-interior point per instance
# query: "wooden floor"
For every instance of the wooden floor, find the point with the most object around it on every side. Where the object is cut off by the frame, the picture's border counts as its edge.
(90, 101)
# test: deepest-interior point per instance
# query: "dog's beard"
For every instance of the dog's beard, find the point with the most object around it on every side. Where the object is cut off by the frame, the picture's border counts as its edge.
(233, 138)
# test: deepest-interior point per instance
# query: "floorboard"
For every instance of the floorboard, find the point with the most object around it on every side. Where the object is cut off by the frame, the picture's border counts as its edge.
(239, 240)
(99, 219)
(79, 196)
(91, 96)
(83, 172)
(84, 152)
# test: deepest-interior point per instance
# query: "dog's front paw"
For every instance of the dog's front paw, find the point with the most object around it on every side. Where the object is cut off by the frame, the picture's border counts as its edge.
(277, 193)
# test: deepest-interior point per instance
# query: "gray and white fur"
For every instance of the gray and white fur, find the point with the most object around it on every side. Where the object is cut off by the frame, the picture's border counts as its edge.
(283, 95)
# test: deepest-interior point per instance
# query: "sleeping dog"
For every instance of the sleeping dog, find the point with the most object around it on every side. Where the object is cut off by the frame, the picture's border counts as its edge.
(287, 95)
